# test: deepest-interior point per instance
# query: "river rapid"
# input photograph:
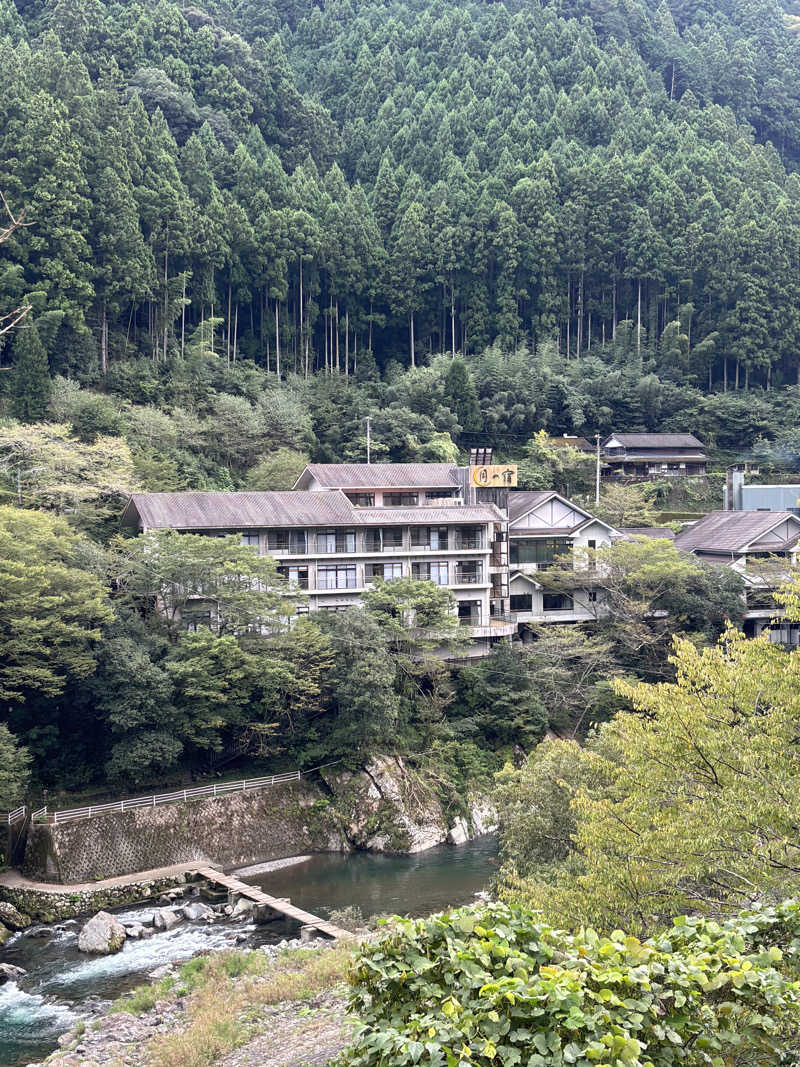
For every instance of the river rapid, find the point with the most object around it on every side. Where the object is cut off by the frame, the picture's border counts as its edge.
(63, 984)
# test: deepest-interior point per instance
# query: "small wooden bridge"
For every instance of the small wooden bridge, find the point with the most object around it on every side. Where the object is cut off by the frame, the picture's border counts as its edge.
(269, 904)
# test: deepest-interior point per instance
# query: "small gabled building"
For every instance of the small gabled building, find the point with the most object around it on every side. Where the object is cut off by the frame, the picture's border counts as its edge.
(386, 485)
(762, 546)
(653, 455)
(544, 527)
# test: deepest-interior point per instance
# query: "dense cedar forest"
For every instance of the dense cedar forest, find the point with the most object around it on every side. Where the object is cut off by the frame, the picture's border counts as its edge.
(320, 188)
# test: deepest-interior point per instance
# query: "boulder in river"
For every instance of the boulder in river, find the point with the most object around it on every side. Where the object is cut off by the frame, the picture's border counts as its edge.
(197, 910)
(458, 834)
(102, 935)
(9, 973)
(12, 918)
(166, 918)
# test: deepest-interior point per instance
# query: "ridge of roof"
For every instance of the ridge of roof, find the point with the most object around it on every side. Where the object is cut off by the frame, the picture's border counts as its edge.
(382, 475)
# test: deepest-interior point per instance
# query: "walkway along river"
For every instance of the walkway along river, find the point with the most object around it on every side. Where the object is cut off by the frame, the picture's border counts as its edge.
(62, 982)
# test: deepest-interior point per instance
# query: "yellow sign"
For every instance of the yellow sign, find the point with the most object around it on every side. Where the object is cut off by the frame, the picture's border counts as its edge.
(496, 476)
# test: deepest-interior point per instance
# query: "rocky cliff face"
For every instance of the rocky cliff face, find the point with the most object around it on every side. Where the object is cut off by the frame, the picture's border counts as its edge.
(388, 807)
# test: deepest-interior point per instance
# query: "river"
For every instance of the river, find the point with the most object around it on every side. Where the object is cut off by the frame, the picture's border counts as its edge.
(61, 982)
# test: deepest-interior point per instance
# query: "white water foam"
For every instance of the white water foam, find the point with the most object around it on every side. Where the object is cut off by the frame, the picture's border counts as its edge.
(31, 1012)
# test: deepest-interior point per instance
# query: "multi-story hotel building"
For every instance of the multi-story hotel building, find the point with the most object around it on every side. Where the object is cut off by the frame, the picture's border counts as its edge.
(345, 525)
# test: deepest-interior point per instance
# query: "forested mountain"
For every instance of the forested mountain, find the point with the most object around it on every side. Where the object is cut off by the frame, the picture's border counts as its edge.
(304, 186)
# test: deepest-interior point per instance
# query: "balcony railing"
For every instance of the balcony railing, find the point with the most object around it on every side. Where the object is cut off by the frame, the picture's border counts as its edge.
(468, 542)
(469, 577)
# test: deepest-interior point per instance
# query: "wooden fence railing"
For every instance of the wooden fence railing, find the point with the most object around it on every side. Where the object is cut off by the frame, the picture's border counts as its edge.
(202, 792)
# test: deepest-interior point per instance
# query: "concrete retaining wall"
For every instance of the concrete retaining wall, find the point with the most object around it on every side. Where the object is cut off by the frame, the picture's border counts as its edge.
(229, 831)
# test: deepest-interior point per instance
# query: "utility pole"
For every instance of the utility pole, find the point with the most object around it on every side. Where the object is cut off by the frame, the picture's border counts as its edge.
(597, 472)
(368, 420)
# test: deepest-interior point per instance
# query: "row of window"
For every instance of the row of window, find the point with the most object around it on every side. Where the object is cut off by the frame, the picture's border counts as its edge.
(329, 542)
(523, 602)
(345, 576)
(398, 500)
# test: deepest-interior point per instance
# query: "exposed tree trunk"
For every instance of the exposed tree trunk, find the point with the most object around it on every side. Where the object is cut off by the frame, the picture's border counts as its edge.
(277, 341)
(166, 295)
(453, 321)
(235, 331)
(639, 319)
(104, 342)
(355, 353)
(747, 377)
(614, 310)
(579, 339)
(737, 375)
(183, 316)
(725, 375)
(411, 338)
(338, 365)
(589, 345)
(228, 327)
(369, 342)
(300, 259)
(347, 342)
(569, 312)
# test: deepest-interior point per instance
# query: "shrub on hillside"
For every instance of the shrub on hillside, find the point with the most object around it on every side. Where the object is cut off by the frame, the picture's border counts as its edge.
(491, 986)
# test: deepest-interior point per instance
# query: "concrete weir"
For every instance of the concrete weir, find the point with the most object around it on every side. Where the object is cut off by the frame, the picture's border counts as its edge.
(267, 904)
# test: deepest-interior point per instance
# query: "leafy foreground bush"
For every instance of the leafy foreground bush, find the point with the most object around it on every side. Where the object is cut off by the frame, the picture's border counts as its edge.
(490, 985)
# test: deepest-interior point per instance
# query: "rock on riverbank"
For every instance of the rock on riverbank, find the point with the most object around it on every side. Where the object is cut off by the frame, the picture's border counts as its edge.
(389, 807)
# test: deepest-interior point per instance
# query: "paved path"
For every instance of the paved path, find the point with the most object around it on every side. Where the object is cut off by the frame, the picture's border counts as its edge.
(15, 880)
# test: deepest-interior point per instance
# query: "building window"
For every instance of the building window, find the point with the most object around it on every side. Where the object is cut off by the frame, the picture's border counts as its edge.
(543, 550)
(438, 573)
(361, 500)
(330, 541)
(390, 572)
(297, 576)
(469, 537)
(469, 572)
(387, 540)
(469, 612)
(335, 577)
(439, 494)
(252, 540)
(292, 541)
(400, 500)
(522, 602)
(557, 602)
(431, 537)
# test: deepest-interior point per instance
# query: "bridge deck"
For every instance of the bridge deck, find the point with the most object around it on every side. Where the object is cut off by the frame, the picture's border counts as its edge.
(258, 896)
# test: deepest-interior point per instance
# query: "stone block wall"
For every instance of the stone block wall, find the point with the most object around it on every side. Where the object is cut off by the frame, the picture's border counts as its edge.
(229, 831)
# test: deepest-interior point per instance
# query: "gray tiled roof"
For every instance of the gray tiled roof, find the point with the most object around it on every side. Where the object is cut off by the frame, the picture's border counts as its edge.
(656, 440)
(223, 511)
(520, 501)
(239, 511)
(382, 475)
(730, 531)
